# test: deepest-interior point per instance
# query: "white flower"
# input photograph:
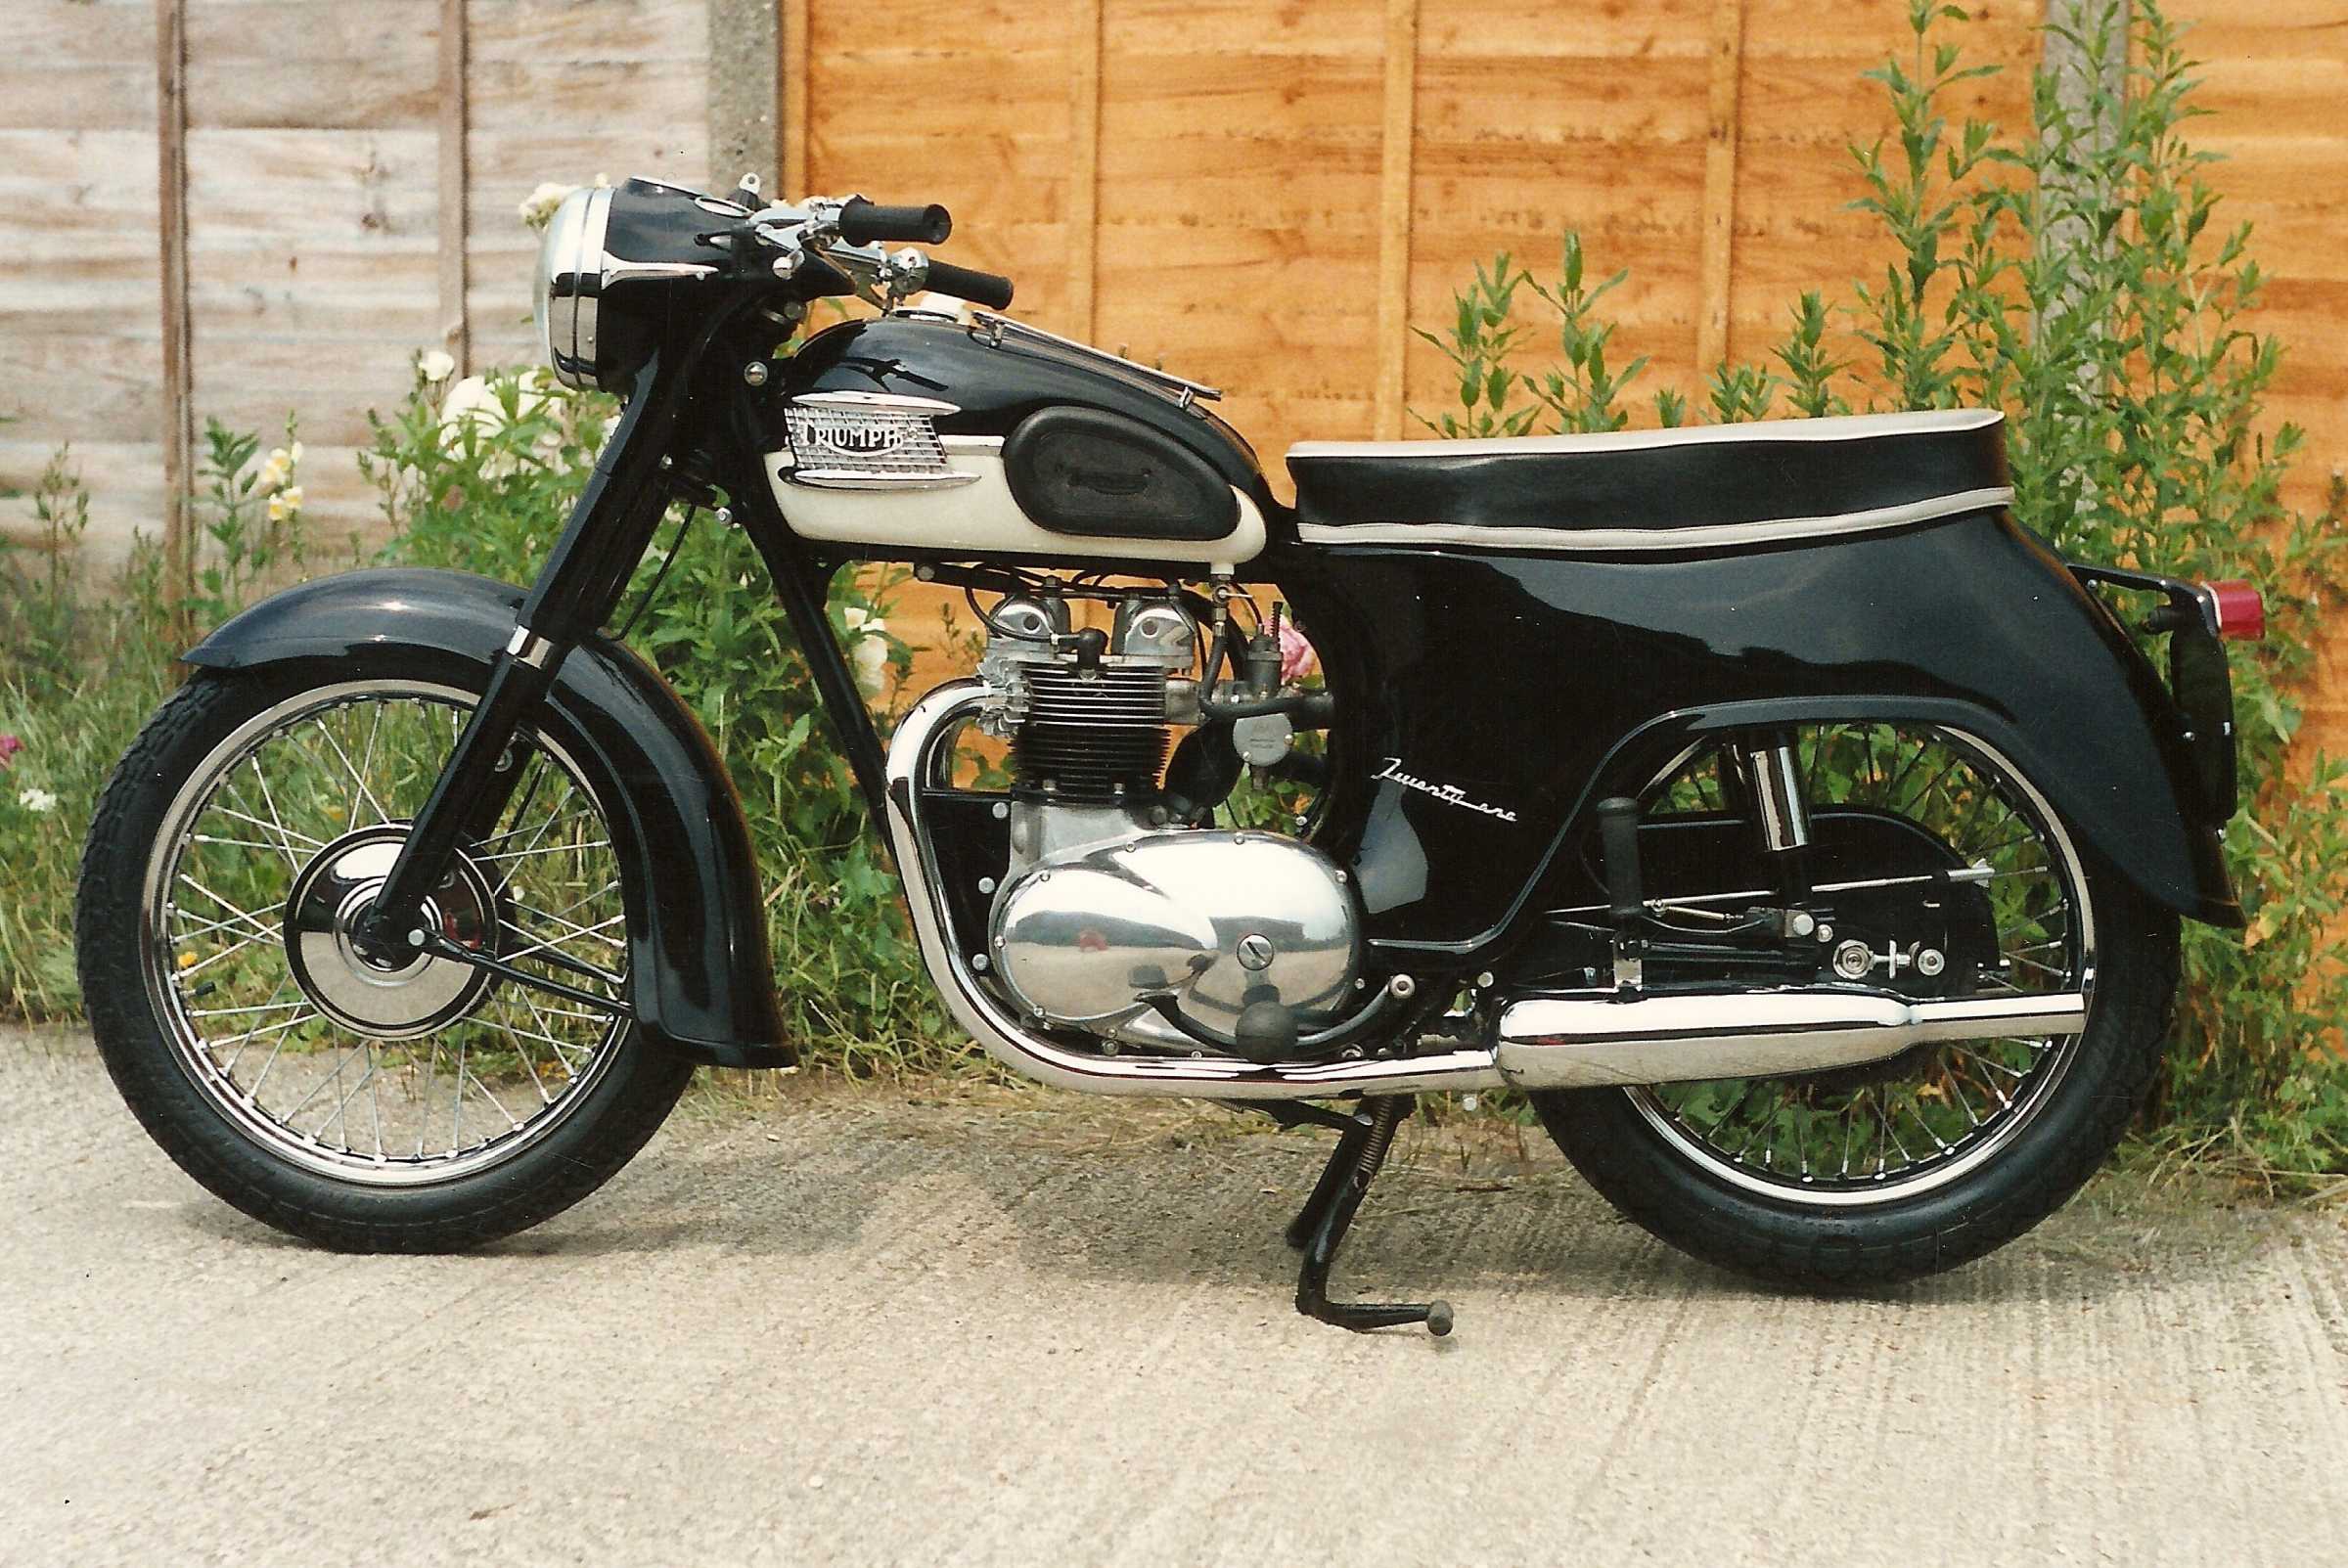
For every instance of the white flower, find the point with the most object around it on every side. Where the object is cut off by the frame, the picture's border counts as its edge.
(284, 503)
(854, 616)
(869, 653)
(434, 365)
(37, 801)
(539, 205)
(277, 468)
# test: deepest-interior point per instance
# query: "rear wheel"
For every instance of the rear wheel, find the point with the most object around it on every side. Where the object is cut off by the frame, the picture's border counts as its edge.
(421, 1104)
(1949, 1150)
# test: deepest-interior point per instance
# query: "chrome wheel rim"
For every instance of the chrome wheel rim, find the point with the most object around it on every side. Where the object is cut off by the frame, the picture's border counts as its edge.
(1950, 1108)
(424, 1070)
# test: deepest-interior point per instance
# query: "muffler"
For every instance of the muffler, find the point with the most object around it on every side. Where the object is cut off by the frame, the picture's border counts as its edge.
(1601, 1042)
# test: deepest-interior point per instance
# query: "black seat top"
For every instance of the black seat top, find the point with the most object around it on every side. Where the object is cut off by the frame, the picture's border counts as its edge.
(1700, 487)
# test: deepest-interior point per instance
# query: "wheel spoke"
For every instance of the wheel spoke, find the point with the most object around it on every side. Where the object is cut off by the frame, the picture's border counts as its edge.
(480, 1075)
(1837, 1137)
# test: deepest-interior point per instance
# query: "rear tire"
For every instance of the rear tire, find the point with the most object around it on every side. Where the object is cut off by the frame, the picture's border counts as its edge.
(610, 1105)
(1618, 1150)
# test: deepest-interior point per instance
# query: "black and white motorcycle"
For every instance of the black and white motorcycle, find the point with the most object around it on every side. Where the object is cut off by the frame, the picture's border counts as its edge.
(1802, 838)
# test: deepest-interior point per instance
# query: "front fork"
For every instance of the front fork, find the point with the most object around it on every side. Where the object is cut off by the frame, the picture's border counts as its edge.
(606, 535)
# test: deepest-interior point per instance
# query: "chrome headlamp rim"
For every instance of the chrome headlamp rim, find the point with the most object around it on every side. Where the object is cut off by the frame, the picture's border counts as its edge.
(570, 282)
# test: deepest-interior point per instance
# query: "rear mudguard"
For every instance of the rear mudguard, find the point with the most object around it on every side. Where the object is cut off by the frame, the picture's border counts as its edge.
(701, 977)
(1486, 702)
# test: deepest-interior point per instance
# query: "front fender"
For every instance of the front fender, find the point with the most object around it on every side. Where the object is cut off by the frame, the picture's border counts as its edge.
(704, 980)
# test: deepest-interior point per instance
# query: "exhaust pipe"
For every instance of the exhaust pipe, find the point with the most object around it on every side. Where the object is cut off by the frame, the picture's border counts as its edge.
(1597, 1043)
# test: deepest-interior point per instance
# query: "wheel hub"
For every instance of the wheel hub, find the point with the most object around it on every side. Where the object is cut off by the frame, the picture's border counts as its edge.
(410, 994)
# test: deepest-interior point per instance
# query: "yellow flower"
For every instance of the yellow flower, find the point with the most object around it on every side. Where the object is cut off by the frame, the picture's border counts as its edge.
(187, 960)
(284, 503)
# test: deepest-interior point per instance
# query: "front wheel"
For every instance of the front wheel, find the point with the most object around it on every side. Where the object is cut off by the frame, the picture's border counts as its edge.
(423, 1105)
(1866, 1176)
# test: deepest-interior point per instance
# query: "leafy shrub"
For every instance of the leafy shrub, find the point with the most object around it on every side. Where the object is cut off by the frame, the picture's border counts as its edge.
(2073, 277)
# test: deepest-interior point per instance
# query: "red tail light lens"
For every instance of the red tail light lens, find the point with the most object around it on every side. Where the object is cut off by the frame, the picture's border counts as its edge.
(2238, 610)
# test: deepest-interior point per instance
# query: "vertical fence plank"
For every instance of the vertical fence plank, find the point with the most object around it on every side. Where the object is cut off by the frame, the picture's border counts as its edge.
(1085, 22)
(1400, 128)
(792, 122)
(1719, 241)
(455, 336)
(179, 428)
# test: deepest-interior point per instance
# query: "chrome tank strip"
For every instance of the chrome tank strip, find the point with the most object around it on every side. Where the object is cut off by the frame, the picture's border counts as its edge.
(912, 758)
(1593, 1041)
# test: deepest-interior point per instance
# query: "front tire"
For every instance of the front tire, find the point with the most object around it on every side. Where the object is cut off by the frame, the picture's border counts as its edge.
(302, 1088)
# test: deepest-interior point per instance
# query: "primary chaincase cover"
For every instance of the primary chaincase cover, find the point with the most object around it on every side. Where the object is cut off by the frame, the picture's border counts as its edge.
(991, 443)
(1211, 918)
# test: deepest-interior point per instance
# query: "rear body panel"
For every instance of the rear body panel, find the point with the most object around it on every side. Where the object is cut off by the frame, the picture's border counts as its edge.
(1488, 700)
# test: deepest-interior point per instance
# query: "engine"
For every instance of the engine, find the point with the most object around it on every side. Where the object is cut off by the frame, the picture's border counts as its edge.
(1115, 916)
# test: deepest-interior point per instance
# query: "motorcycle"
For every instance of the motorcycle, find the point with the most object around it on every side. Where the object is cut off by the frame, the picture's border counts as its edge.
(1800, 838)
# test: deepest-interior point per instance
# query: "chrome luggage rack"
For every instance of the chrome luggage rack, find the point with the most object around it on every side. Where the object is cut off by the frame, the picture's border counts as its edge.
(996, 330)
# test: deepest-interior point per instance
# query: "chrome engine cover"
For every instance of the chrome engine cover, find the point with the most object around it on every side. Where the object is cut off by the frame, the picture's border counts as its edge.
(1210, 917)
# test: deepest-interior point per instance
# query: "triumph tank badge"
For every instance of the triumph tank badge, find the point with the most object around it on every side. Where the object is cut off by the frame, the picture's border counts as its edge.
(852, 437)
(1449, 794)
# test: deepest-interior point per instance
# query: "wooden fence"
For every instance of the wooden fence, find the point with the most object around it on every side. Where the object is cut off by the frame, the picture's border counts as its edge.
(234, 209)
(1268, 197)
(1271, 196)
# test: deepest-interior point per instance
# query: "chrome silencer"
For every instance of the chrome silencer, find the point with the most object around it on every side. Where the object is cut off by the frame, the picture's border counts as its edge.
(1596, 1042)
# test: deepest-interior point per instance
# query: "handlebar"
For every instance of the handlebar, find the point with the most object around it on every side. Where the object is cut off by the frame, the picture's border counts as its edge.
(990, 288)
(863, 222)
(849, 235)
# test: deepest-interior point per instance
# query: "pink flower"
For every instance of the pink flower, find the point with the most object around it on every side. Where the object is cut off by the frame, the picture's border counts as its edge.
(1296, 656)
(10, 745)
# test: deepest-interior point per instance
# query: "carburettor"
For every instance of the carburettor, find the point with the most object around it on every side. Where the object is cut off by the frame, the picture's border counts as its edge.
(1111, 918)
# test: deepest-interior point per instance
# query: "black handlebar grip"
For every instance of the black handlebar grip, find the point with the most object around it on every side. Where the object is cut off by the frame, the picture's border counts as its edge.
(862, 222)
(990, 288)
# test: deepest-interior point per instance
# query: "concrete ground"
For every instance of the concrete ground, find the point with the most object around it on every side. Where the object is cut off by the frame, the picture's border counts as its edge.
(852, 1326)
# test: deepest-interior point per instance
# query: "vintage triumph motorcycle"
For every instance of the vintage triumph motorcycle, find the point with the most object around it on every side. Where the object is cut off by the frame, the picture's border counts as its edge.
(1802, 838)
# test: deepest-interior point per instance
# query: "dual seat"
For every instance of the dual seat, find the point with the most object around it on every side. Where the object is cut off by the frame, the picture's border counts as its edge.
(1700, 487)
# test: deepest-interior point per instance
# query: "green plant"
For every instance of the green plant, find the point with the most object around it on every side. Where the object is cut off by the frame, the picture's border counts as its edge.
(2074, 276)
(250, 516)
(79, 671)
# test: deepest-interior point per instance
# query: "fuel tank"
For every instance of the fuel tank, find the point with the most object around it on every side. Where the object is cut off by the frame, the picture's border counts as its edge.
(916, 435)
